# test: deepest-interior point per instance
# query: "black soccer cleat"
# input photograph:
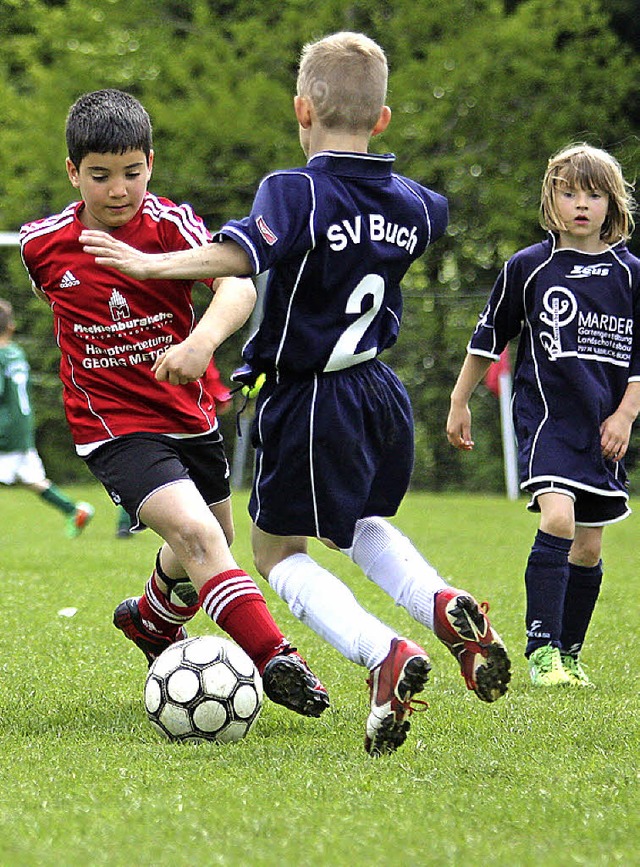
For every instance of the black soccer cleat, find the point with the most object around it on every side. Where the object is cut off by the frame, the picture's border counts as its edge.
(288, 680)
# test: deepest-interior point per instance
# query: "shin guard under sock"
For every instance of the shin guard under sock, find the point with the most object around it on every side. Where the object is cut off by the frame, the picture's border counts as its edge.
(326, 605)
(579, 602)
(546, 579)
(154, 606)
(390, 560)
(233, 601)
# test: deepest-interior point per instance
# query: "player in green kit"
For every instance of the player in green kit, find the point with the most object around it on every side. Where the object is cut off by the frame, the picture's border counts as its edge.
(19, 459)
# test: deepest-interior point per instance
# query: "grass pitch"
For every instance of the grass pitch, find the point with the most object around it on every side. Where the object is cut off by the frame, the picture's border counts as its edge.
(538, 778)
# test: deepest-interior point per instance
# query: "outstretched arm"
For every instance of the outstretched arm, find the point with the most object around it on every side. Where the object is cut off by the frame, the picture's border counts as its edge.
(615, 431)
(229, 309)
(473, 370)
(223, 259)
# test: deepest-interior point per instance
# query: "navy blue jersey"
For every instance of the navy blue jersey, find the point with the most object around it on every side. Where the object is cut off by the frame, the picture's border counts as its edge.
(578, 317)
(337, 237)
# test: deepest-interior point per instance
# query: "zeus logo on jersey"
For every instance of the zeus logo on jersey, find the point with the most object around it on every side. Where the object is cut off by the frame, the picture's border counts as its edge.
(350, 231)
(598, 269)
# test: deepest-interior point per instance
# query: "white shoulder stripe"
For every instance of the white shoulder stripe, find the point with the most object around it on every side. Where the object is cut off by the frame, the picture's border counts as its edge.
(192, 230)
(50, 224)
(253, 252)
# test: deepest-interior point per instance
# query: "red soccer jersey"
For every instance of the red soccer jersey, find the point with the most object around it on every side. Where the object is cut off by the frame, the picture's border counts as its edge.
(111, 327)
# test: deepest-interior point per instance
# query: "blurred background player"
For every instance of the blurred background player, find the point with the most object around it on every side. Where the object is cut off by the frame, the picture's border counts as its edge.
(20, 462)
(574, 301)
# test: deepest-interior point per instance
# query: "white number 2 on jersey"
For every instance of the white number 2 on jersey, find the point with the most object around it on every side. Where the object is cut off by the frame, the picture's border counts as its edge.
(344, 352)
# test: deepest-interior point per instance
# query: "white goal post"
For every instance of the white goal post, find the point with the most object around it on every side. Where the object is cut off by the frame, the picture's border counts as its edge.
(9, 239)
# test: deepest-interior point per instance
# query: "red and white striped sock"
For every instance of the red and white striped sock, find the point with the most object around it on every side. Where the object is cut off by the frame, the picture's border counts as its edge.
(233, 601)
(155, 607)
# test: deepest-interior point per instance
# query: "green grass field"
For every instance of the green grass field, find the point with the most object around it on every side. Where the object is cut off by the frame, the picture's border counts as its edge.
(536, 779)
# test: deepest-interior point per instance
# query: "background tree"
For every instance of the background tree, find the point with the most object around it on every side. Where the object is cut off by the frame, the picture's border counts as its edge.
(482, 92)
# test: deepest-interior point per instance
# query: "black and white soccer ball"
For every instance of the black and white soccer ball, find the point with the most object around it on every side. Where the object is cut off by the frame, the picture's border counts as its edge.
(203, 689)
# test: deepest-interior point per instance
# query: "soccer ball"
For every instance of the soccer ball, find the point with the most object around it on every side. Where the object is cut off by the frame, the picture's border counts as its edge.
(203, 689)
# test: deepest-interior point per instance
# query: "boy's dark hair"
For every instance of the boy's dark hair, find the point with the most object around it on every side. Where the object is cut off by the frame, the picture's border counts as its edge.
(107, 121)
(6, 316)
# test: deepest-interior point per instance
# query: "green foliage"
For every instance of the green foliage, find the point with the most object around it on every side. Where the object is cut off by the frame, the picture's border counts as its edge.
(536, 780)
(482, 93)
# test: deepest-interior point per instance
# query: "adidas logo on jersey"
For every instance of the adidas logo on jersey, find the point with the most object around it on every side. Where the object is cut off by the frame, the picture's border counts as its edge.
(68, 280)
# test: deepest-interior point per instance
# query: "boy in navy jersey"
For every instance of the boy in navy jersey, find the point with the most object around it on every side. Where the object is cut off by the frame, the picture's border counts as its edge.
(574, 299)
(333, 427)
(156, 449)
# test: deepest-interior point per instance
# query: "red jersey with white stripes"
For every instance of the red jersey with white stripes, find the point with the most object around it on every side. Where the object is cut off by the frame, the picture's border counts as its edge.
(110, 327)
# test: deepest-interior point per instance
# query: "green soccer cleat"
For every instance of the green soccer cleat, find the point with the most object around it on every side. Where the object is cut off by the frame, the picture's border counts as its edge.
(577, 675)
(546, 669)
(76, 522)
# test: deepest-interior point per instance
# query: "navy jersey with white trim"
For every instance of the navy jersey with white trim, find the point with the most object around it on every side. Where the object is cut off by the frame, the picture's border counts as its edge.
(578, 317)
(337, 237)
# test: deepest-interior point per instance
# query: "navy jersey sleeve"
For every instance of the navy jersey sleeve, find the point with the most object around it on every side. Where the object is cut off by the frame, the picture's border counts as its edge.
(436, 208)
(634, 272)
(280, 224)
(502, 318)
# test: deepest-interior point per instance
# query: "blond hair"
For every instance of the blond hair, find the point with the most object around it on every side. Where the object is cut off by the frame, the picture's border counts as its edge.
(584, 167)
(345, 77)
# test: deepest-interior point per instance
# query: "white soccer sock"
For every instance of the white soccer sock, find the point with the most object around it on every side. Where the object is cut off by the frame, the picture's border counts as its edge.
(390, 560)
(326, 605)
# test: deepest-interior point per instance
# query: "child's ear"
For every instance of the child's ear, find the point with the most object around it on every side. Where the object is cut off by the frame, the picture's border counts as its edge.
(72, 172)
(150, 163)
(383, 121)
(302, 108)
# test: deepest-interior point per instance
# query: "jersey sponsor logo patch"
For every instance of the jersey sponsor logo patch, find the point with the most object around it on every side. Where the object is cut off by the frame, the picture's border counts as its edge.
(118, 306)
(68, 280)
(560, 308)
(598, 269)
(269, 235)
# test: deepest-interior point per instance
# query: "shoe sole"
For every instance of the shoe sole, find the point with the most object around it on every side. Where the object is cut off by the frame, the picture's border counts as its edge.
(288, 684)
(394, 728)
(558, 684)
(492, 676)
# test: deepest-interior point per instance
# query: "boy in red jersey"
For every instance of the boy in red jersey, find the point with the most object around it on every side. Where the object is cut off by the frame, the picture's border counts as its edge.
(156, 448)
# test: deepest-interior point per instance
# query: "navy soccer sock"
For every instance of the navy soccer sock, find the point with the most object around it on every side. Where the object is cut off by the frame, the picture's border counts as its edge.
(579, 602)
(546, 578)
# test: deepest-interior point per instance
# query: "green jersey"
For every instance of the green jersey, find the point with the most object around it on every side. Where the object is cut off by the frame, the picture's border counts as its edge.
(16, 421)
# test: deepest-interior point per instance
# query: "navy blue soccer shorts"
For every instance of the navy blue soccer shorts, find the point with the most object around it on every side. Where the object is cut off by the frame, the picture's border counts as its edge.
(330, 449)
(591, 509)
(133, 467)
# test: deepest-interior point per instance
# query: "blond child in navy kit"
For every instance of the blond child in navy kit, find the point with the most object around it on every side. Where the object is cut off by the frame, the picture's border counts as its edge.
(156, 449)
(333, 428)
(573, 301)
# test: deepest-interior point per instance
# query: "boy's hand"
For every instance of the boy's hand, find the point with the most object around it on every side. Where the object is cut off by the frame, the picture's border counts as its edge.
(183, 363)
(112, 253)
(459, 427)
